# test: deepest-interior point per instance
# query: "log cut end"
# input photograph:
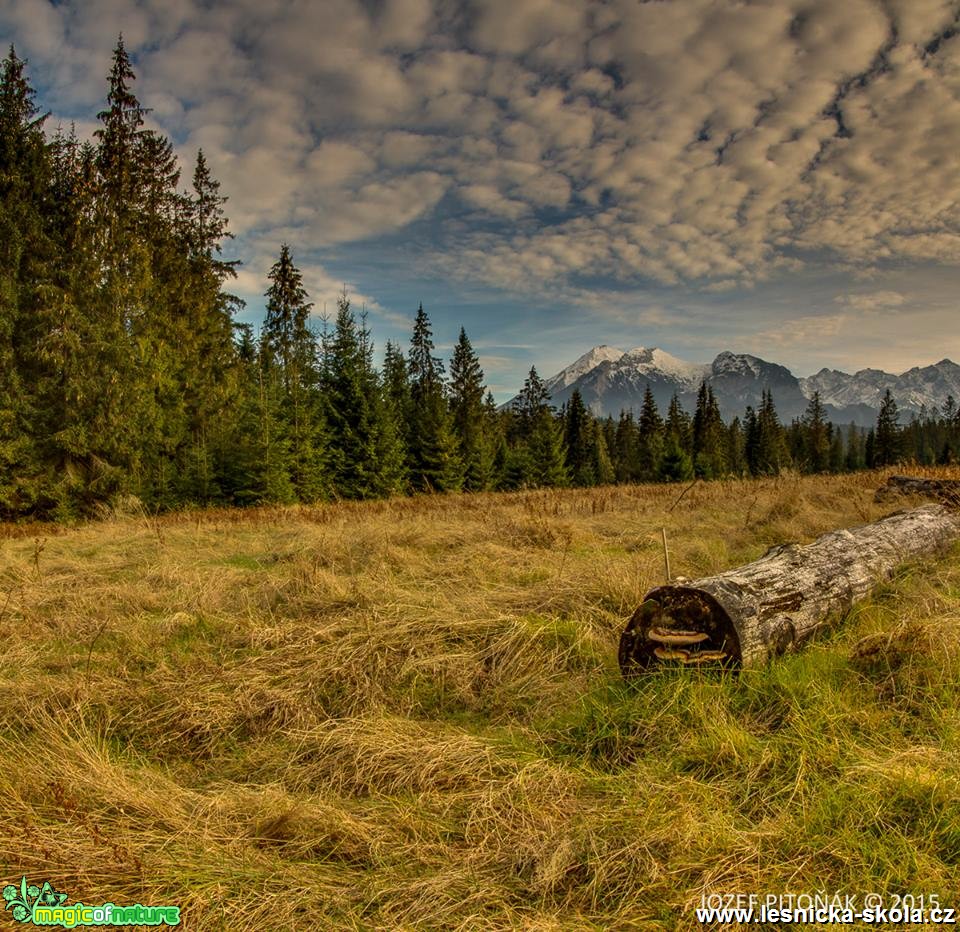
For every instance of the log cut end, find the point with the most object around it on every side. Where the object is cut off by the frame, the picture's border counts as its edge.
(678, 625)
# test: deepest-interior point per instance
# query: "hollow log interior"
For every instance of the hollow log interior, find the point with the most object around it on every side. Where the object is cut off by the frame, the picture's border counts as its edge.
(680, 626)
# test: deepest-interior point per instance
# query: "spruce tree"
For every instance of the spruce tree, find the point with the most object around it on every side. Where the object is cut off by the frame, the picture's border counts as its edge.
(529, 403)
(601, 465)
(546, 456)
(210, 376)
(579, 439)
(289, 351)
(434, 455)
(25, 266)
(353, 439)
(469, 415)
(816, 435)
(709, 436)
(736, 448)
(771, 444)
(626, 449)
(888, 438)
(650, 427)
(676, 464)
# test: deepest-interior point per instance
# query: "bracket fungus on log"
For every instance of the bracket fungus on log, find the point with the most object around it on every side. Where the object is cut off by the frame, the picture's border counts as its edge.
(752, 613)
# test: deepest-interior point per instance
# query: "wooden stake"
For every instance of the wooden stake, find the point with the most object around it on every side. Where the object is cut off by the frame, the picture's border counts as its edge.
(666, 555)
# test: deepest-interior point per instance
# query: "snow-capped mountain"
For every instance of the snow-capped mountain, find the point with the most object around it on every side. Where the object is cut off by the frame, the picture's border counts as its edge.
(611, 380)
(926, 386)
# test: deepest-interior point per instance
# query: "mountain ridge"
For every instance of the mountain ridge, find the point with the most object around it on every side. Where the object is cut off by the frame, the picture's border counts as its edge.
(610, 380)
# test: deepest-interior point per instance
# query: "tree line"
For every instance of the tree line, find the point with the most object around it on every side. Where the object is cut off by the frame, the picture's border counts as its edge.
(122, 371)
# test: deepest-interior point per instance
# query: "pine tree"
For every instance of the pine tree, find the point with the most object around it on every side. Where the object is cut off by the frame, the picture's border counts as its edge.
(771, 444)
(24, 267)
(855, 457)
(469, 415)
(751, 441)
(601, 465)
(888, 438)
(816, 434)
(626, 449)
(119, 140)
(580, 442)
(870, 449)
(736, 448)
(530, 402)
(434, 455)
(202, 318)
(836, 457)
(289, 351)
(651, 435)
(353, 438)
(546, 453)
(676, 464)
(709, 436)
(124, 410)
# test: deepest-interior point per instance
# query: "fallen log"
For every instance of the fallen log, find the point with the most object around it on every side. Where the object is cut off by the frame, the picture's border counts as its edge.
(943, 490)
(752, 613)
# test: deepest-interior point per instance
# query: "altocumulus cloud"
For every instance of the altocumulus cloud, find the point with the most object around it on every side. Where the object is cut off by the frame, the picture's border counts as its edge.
(542, 144)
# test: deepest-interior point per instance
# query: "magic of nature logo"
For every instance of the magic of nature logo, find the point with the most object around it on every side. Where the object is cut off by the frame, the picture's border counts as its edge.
(44, 906)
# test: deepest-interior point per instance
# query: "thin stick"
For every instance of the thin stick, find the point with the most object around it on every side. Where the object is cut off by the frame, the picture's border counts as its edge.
(666, 555)
(684, 492)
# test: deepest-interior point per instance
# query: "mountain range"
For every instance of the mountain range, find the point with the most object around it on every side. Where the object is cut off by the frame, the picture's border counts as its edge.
(611, 380)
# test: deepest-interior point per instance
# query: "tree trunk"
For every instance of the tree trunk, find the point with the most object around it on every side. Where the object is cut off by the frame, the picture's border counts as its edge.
(755, 612)
(943, 490)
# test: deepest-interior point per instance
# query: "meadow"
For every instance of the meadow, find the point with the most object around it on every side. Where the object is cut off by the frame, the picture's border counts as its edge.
(408, 714)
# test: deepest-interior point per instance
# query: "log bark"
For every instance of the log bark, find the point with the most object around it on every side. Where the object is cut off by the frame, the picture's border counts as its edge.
(942, 490)
(748, 615)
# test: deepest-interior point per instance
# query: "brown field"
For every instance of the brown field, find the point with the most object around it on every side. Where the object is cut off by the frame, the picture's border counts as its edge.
(408, 715)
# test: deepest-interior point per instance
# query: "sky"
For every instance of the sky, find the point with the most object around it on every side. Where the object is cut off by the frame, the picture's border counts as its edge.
(778, 177)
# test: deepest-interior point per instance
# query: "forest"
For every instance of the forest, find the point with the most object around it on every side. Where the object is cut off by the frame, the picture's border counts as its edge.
(123, 371)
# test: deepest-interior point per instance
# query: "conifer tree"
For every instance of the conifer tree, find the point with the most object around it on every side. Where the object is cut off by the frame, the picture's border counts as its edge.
(651, 438)
(434, 455)
(289, 352)
(24, 258)
(751, 441)
(816, 435)
(887, 438)
(676, 464)
(736, 448)
(771, 450)
(601, 465)
(202, 317)
(626, 449)
(546, 454)
(854, 458)
(709, 436)
(835, 462)
(469, 415)
(530, 402)
(353, 439)
(579, 439)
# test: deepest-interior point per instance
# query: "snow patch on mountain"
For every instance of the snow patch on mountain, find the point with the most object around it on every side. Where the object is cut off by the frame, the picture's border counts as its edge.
(580, 367)
(658, 363)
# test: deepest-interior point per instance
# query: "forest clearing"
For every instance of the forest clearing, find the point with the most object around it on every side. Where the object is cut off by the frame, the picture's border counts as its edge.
(409, 714)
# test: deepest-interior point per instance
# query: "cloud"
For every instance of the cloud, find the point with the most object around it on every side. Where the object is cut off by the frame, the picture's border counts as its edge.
(547, 145)
(872, 301)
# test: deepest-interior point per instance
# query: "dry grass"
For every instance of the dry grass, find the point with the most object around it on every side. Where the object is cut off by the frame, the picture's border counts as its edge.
(407, 714)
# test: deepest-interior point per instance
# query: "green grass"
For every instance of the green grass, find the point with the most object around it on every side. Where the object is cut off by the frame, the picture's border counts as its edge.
(409, 715)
